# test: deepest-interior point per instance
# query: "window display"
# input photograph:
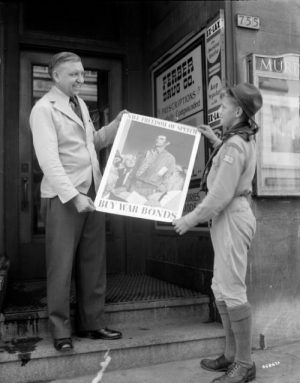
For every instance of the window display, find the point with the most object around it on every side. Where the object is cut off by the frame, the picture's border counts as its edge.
(278, 166)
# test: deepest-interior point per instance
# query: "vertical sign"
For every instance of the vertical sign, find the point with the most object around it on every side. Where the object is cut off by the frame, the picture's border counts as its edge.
(215, 64)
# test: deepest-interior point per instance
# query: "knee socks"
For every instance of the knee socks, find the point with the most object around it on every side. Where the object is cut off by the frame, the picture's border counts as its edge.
(241, 323)
(229, 337)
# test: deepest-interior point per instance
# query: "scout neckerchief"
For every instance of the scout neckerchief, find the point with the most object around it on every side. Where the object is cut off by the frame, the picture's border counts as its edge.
(242, 129)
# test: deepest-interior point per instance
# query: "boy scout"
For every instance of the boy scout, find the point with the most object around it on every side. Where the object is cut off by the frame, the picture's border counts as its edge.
(229, 184)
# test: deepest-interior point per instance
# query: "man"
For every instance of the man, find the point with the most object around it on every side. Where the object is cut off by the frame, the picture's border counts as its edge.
(233, 226)
(113, 176)
(154, 168)
(118, 191)
(170, 199)
(125, 173)
(64, 141)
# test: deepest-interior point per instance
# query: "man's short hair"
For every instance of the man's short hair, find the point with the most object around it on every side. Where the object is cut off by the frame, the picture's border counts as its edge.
(60, 58)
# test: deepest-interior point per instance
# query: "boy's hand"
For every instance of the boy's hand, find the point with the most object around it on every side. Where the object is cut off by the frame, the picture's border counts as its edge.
(180, 225)
(208, 132)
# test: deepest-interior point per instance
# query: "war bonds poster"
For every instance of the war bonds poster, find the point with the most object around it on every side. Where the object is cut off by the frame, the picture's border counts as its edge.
(149, 169)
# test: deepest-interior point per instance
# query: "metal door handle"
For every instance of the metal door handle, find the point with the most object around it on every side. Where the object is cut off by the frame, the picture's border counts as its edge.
(25, 201)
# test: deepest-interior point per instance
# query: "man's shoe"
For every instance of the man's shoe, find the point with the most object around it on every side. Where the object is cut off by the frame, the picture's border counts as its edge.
(103, 333)
(220, 364)
(63, 344)
(237, 373)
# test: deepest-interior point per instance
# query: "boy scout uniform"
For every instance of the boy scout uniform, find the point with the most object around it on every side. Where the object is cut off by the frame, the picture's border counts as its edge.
(233, 223)
(233, 226)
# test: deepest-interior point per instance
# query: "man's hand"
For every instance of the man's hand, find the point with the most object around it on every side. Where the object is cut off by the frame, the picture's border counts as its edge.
(116, 122)
(162, 188)
(208, 132)
(180, 225)
(83, 203)
(119, 116)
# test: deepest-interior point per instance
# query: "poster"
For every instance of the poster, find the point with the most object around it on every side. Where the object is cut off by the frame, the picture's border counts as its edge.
(149, 169)
(278, 170)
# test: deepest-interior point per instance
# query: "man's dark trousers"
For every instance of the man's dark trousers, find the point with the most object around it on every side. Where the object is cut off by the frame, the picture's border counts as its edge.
(80, 238)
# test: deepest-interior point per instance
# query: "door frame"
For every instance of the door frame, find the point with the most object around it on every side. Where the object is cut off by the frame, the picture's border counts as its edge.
(30, 245)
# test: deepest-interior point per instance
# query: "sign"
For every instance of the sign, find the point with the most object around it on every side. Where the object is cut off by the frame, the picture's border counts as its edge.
(178, 89)
(215, 64)
(250, 22)
(149, 169)
(278, 78)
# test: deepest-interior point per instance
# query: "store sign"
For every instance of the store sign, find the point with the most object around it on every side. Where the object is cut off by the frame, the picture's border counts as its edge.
(278, 78)
(215, 63)
(179, 89)
(284, 65)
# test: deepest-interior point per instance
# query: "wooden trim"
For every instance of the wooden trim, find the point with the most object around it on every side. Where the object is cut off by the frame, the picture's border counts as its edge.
(231, 70)
(42, 41)
(11, 132)
(1, 130)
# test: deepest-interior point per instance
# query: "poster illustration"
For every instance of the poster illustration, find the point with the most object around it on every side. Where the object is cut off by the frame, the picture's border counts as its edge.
(149, 169)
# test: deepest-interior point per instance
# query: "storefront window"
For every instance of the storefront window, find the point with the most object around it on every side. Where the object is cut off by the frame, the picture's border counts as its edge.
(278, 171)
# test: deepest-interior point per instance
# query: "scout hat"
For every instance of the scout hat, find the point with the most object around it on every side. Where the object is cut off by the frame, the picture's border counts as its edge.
(248, 97)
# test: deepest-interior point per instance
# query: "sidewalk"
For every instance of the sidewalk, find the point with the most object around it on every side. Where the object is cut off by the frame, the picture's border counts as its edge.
(274, 365)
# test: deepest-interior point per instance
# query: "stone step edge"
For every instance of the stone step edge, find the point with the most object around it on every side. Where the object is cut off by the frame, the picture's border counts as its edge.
(114, 307)
(133, 338)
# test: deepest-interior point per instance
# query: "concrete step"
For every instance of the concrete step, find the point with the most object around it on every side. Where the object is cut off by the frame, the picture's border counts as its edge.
(35, 360)
(130, 298)
(34, 323)
(183, 371)
(280, 364)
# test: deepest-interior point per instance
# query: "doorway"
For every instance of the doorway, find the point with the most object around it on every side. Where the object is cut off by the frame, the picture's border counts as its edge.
(102, 92)
(129, 240)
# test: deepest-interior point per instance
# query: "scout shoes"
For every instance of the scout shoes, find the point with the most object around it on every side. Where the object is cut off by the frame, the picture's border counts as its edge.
(237, 373)
(220, 364)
